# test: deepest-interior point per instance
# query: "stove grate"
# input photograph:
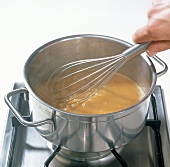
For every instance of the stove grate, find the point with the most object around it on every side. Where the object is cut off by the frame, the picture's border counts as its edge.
(51, 157)
(119, 158)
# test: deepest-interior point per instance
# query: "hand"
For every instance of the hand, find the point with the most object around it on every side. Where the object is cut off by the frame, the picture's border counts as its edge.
(157, 29)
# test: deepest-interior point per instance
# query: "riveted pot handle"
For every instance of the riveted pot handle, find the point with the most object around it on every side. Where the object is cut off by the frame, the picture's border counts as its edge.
(18, 115)
(163, 64)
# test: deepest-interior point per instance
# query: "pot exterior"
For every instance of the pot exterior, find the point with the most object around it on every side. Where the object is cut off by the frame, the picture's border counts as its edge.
(88, 133)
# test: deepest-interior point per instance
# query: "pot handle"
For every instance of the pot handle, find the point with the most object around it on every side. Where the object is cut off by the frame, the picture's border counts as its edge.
(18, 115)
(163, 64)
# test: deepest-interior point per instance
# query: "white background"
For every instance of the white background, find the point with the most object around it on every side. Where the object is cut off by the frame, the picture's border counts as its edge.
(26, 25)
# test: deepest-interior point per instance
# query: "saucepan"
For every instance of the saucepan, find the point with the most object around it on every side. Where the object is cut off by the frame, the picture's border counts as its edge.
(78, 132)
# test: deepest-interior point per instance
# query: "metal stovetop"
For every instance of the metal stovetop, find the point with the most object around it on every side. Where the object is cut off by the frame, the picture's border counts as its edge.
(24, 147)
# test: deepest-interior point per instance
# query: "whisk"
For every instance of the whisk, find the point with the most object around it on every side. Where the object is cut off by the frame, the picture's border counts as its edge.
(79, 80)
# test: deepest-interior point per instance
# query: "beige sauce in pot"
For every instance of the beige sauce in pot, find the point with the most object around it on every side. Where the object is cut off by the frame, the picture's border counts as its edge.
(119, 93)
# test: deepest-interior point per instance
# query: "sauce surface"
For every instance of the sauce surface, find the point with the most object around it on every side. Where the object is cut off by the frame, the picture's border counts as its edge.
(119, 93)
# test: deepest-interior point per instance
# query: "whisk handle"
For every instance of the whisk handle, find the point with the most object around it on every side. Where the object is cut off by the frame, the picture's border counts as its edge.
(135, 50)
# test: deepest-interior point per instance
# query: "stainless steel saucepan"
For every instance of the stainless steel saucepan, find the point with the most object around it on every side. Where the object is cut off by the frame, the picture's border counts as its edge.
(85, 133)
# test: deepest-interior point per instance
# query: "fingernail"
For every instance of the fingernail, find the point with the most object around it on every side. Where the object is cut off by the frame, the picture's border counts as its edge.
(150, 53)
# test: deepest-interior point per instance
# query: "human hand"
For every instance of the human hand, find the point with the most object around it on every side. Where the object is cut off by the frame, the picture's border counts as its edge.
(157, 29)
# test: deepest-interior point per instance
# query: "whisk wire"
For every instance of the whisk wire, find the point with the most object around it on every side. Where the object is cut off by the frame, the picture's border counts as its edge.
(95, 72)
(102, 79)
(112, 71)
(73, 64)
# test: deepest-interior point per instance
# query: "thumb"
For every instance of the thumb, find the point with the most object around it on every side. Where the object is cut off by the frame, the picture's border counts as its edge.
(157, 46)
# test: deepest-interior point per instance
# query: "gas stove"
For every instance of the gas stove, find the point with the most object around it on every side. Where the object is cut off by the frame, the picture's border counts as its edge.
(24, 147)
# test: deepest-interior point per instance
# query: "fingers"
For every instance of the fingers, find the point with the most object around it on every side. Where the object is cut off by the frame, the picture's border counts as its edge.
(157, 28)
(158, 46)
(142, 35)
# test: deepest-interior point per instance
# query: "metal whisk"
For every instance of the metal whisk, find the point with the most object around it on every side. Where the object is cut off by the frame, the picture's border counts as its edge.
(79, 80)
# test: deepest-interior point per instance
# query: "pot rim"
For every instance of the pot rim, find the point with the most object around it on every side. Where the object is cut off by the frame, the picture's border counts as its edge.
(62, 39)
